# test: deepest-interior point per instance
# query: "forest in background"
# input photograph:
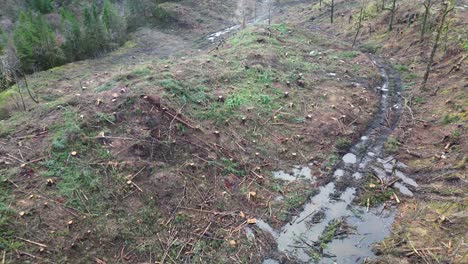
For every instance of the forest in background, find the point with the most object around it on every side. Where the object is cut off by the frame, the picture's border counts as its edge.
(40, 34)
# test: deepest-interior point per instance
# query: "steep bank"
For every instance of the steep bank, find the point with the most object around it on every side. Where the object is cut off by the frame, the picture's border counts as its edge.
(99, 172)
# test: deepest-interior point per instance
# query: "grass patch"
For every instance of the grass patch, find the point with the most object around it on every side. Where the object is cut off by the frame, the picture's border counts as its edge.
(401, 68)
(105, 87)
(76, 180)
(372, 194)
(329, 232)
(391, 146)
(142, 71)
(449, 119)
(351, 54)
(6, 213)
(370, 47)
(342, 144)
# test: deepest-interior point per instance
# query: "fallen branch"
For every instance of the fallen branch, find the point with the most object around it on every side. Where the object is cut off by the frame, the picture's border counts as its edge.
(305, 217)
(32, 161)
(32, 242)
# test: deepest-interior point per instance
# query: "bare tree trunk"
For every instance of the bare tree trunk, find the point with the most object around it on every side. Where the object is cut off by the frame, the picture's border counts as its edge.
(243, 18)
(19, 91)
(332, 10)
(255, 10)
(359, 23)
(270, 6)
(445, 12)
(383, 5)
(427, 9)
(29, 91)
(392, 17)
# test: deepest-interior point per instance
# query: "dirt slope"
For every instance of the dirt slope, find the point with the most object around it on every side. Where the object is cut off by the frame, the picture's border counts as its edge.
(165, 153)
(431, 136)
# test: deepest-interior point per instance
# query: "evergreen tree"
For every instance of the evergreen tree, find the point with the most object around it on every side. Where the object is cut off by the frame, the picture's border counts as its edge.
(138, 12)
(95, 32)
(113, 23)
(35, 43)
(42, 6)
(73, 36)
(2, 41)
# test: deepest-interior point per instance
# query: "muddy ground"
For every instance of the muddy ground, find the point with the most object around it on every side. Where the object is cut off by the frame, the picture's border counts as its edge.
(167, 149)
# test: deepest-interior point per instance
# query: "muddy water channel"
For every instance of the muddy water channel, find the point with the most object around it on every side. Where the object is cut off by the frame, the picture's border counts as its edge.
(354, 229)
(331, 228)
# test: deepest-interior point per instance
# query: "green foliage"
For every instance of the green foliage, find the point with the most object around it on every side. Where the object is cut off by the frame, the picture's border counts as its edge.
(6, 213)
(449, 119)
(42, 6)
(113, 23)
(3, 39)
(391, 146)
(342, 144)
(75, 176)
(329, 232)
(347, 54)
(36, 43)
(95, 35)
(230, 167)
(370, 47)
(73, 37)
(401, 68)
(138, 12)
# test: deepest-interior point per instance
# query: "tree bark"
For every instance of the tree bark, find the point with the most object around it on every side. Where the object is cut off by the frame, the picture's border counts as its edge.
(392, 17)
(332, 10)
(359, 23)
(445, 12)
(427, 8)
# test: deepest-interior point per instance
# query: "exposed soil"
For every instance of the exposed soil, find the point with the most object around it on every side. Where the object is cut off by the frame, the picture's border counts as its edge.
(171, 148)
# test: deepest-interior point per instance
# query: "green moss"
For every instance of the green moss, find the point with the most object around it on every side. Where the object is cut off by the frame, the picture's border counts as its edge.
(391, 146)
(449, 119)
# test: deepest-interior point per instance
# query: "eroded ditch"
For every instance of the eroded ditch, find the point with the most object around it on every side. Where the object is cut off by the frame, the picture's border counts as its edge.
(331, 228)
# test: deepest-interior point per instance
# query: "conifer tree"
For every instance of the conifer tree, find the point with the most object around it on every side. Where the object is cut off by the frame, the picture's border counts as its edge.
(73, 36)
(35, 43)
(95, 32)
(42, 6)
(113, 23)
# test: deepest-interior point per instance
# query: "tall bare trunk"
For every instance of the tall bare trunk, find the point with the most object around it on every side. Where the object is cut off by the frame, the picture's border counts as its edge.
(427, 9)
(332, 10)
(359, 23)
(392, 17)
(445, 12)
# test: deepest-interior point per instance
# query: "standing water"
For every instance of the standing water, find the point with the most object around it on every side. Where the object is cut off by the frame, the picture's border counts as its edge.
(301, 238)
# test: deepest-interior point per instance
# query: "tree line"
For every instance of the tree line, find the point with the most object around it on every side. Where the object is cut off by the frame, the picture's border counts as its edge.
(36, 43)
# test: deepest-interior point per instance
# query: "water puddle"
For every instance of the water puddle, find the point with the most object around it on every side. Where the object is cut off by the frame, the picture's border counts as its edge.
(363, 227)
(297, 173)
(349, 158)
(262, 17)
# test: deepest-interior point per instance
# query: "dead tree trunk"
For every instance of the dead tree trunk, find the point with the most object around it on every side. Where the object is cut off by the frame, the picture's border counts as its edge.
(29, 91)
(19, 91)
(359, 23)
(448, 7)
(270, 6)
(392, 17)
(332, 8)
(427, 9)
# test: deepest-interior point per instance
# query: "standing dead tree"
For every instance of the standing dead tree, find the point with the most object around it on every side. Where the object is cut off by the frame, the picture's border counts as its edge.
(359, 26)
(448, 7)
(427, 8)
(392, 16)
(332, 9)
